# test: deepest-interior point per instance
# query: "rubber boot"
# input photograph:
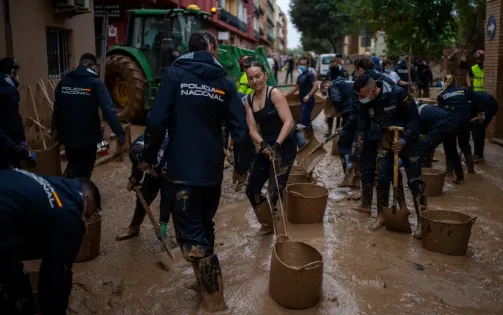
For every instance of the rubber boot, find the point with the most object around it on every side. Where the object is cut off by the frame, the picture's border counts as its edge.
(366, 203)
(197, 285)
(382, 201)
(212, 285)
(469, 164)
(264, 217)
(420, 205)
(134, 226)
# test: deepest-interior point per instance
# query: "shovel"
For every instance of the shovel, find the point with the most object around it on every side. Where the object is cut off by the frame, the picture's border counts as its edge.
(397, 221)
(323, 142)
(161, 256)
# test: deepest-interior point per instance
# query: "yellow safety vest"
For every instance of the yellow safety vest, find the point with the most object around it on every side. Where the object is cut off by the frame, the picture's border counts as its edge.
(244, 86)
(478, 78)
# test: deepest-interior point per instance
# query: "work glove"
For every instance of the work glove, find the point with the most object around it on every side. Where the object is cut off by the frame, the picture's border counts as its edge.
(132, 183)
(398, 145)
(266, 149)
(31, 159)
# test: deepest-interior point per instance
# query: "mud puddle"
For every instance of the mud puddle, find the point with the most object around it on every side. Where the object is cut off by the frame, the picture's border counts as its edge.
(365, 272)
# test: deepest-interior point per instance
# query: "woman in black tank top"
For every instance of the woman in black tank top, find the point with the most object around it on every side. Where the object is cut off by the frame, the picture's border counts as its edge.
(268, 109)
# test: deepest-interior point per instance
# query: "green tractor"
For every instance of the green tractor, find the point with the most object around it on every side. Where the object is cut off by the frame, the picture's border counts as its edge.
(154, 39)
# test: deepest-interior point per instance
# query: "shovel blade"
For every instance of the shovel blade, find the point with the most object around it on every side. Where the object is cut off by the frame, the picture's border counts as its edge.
(397, 221)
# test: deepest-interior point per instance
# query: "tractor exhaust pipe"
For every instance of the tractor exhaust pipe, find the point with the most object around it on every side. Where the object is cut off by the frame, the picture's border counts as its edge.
(167, 46)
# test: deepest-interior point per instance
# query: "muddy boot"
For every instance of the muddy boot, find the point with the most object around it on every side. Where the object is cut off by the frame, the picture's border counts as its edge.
(212, 286)
(420, 205)
(264, 217)
(382, 201)
(134, 226)
(469, 164)
(366, 204)
(197, 285)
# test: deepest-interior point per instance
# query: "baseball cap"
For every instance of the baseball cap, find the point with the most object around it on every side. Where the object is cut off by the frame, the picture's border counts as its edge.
(8, 64)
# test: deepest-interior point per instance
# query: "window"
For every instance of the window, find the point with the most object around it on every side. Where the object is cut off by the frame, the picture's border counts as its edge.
(242, 12)
(325, 60)
(58, 53)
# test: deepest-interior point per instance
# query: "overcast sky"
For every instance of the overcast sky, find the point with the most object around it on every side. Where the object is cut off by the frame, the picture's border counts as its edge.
(293, 36)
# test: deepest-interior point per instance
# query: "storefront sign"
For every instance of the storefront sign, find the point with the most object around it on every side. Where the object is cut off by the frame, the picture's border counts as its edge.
(491, 27)
(114, 11)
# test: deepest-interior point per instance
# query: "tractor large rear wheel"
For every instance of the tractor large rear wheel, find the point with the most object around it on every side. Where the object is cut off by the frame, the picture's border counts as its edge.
(126, 82)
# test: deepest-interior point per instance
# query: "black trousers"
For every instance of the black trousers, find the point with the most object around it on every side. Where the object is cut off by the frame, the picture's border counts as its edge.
(80, 161)
(16, 297)
(193, 209)
(479, 132)
(262, 171)
(289, 73)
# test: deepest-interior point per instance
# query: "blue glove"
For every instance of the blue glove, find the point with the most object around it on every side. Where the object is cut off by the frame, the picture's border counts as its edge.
(32, 159)
(400, 163)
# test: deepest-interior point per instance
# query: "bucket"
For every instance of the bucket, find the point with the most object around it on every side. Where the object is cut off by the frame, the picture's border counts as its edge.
(434, 181)
(90, 247)
(48, 162)
(446, 232)
(302, 177)
(308, 159)
(306, 203)
(296, 276)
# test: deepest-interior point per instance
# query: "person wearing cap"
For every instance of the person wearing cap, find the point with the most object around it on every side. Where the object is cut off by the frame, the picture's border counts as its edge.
(475, 78)
(10, 120)
(76, 121)
(41, 217)
(381, 106)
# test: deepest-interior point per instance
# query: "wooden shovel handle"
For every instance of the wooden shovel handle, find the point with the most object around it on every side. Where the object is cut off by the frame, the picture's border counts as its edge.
(395, 163)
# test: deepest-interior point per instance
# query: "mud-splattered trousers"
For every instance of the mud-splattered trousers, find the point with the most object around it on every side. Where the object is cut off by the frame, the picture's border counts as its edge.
(193, 209)
(385, 161)
(262, 171)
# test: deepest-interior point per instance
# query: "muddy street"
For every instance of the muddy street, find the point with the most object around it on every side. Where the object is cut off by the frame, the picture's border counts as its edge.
(364, 273)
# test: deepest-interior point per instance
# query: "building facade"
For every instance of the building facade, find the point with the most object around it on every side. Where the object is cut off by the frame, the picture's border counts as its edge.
(47, 38)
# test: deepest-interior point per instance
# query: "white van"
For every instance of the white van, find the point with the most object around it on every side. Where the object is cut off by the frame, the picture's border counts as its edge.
(323, 65)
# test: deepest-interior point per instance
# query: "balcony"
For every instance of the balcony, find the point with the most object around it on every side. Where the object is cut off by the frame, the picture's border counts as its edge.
(270, 38)
(260, 10)
(270, 21)
(261, 31)
(256, 10)
(232, 20)
(257, 34)
(269, 3)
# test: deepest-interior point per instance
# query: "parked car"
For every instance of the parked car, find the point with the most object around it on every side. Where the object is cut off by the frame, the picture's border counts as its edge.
(323, 65)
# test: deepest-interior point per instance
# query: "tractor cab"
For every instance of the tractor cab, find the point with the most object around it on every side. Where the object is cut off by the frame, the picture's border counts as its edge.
(162, 35)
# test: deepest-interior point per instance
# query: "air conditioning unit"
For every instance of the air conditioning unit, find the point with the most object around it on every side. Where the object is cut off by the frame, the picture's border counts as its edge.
(67, 4)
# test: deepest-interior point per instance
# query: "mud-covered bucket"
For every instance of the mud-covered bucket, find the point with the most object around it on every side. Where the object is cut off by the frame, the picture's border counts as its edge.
(434, 181)
(306, 203)
(48, 162)
(446, 232)
(90, 247)
(296, 276)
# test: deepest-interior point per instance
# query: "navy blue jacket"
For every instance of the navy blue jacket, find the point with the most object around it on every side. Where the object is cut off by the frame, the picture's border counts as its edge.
(392, 107)
(401, 69)
(195, 96)
(341, 93)
(37, 213)
(486, 103)
(337, 72)
(76, 119)
(423, 74)
(461, 101)
(10, 151)
(434, 117)
(136, 151)
(10, 119)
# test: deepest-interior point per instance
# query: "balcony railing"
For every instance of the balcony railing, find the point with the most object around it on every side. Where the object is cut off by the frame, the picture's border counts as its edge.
(232, 20)
(270, 5)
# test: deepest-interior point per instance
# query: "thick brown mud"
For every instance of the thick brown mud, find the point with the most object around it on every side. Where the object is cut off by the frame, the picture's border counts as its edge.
(365, 272)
